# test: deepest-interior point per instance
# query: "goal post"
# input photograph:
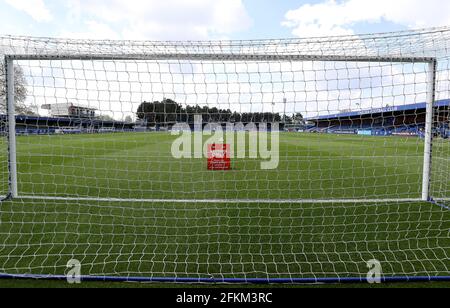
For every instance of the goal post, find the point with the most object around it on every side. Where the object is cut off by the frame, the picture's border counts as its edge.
(429, 119)
(322, 160)
(430, 99)
(11, 110)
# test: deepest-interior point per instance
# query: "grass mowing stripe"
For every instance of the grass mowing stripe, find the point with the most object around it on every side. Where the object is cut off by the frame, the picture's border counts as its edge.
(231, 239)
(156, 175)
(192, 239)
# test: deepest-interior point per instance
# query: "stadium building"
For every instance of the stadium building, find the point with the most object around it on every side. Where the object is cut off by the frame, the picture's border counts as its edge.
(70, 110)
(406, 120)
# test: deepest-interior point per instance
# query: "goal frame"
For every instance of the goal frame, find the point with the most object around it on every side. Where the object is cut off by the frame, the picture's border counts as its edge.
(13, 192)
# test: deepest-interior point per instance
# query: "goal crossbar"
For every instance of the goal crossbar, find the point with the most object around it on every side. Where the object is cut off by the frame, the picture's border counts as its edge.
(224, 57)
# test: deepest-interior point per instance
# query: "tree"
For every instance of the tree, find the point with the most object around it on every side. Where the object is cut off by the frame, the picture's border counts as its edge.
(287, 119)
(128, 119)
(298, 119)
(170, 112)
(165, 112)
(20, 91)
(106, 118)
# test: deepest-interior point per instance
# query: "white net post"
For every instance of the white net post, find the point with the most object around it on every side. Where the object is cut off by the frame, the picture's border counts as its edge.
(12, 150)
(429, 121)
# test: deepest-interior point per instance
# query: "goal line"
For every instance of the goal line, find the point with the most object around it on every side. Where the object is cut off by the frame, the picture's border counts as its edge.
(227, 201)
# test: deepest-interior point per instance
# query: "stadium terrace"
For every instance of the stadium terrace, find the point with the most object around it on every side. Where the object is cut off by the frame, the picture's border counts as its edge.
(403, 120)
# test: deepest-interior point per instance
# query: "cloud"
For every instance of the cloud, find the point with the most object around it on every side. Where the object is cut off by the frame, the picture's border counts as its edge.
(340, 17)
(94, 30)
(35, 8)
(162, 20)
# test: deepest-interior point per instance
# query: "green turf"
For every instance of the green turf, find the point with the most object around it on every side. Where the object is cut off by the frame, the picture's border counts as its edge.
(3, 166)
(141, 166)
(223, 240)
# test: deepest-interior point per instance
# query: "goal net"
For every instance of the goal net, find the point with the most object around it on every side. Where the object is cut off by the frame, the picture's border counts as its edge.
(335, 154)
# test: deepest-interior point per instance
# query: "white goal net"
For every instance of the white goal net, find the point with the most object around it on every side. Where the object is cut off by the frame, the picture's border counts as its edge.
(226, 161)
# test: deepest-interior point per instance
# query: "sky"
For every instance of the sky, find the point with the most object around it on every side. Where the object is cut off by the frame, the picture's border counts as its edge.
(223, 20)
(215, 19)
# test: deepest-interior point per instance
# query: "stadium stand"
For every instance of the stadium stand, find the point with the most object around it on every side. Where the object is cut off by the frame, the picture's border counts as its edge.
(406, 120)
(35, 125)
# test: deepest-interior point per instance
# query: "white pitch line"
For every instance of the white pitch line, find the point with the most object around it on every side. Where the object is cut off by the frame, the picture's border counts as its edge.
(226, 201)
(442, 158)
(168, 160)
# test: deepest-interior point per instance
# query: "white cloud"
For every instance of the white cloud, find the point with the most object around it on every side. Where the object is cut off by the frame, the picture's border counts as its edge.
(94, 30)
(35, 8)
(340, 17)
(163, 20)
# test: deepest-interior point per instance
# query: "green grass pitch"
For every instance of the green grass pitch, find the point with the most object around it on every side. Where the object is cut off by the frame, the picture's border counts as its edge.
(232, 240)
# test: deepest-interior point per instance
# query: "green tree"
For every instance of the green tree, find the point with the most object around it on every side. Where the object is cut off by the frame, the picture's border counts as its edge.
(170, 112)
(106, 118)
(298, 119)
(20, 91)
(165, 112)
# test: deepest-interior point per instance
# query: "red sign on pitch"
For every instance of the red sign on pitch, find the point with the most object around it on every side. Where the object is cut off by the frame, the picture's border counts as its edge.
(219, 157)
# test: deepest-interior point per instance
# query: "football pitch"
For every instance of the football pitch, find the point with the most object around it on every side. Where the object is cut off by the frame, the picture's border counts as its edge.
(237, 237)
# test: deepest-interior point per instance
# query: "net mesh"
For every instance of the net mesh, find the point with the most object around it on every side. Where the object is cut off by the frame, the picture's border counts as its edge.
(333, 181)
